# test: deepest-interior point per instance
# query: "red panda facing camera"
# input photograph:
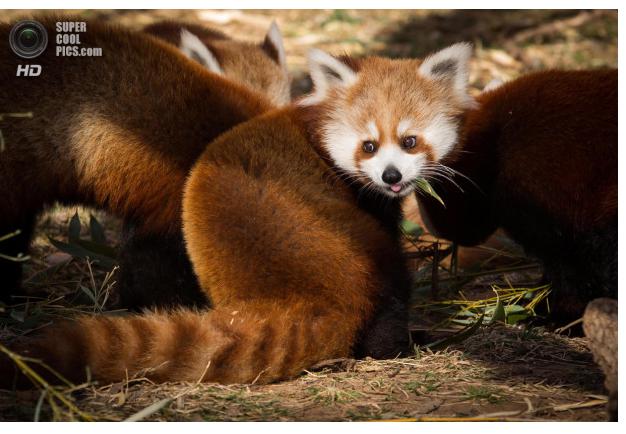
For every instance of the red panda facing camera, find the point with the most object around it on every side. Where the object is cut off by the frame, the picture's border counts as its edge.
(386, 133)
(301, 263)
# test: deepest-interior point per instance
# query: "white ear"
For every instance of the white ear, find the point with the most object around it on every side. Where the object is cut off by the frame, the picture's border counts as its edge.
(273, 45)
(195, 49)
(326, 72)
(450, 64)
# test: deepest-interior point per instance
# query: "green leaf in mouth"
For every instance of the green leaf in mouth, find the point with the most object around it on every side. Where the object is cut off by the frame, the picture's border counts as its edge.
(424, 186)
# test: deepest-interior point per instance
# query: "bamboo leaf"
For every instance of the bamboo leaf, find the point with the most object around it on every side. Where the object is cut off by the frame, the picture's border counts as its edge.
(515, 313)
(97, 231)
(424, 186)
(499, 313)
(99, 249)
(514, 309)
(411, 228)
(74, 228)
(79, 251)
(458, 337)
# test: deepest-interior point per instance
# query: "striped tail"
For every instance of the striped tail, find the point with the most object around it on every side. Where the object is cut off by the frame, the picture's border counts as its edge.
(239, 345)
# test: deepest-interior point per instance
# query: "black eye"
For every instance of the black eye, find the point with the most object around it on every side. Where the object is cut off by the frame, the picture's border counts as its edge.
(409, 142)
(369, 146)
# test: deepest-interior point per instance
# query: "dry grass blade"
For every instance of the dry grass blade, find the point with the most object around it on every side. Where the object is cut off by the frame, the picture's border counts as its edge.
(504, 416)
(530, 369)
(10, 235)
(20, 257)
(568, 326)
(509, 305)
(150, 410)
(587, 404)
(470, 419)
(28, 115)
(48, 391)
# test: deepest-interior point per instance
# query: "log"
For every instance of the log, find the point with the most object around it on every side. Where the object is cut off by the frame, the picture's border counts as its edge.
(600, 327)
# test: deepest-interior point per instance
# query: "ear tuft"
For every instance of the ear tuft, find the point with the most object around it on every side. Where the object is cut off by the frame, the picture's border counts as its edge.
(451, 65)
(273, 45)
(195, 49)
(326, 72)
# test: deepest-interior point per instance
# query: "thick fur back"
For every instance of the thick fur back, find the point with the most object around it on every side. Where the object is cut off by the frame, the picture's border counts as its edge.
(140, 109)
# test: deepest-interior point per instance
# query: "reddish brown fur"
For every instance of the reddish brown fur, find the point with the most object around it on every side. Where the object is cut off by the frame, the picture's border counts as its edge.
(255, 65)
(228, 345)
(542, 134)
(292, 297)
(118, 132)
(129, 114)
(543, 153)
(412, 95)
(297, 269)
(409, 90)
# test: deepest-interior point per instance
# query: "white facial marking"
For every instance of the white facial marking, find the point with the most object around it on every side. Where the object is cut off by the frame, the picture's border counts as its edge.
(195, 49)
(403, 127)
(340, 141)
(373, 130)
(391, 155)
(441, 135)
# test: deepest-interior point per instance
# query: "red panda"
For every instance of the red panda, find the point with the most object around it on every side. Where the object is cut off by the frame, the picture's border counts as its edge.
(405, 144)
(106, 97)
(300, 263)
(390, 146)
(539, 159)
(88, 110)
(146, 261)
(262, 67)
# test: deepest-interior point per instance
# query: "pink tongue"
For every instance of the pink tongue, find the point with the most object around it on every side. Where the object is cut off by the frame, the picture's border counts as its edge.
(396, 188)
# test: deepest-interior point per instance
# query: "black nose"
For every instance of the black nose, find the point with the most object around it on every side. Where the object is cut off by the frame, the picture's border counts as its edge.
(391, 175)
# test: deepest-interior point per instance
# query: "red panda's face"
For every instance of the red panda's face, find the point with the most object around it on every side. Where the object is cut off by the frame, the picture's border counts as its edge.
(388, 123)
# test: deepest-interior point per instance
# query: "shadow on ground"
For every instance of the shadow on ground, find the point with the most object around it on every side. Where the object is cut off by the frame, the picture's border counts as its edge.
(421, 35)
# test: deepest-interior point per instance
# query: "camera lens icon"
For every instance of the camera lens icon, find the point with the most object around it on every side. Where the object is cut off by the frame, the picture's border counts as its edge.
(28, 39)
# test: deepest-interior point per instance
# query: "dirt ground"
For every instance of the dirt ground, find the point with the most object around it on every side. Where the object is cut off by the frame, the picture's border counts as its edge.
(499, 372)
